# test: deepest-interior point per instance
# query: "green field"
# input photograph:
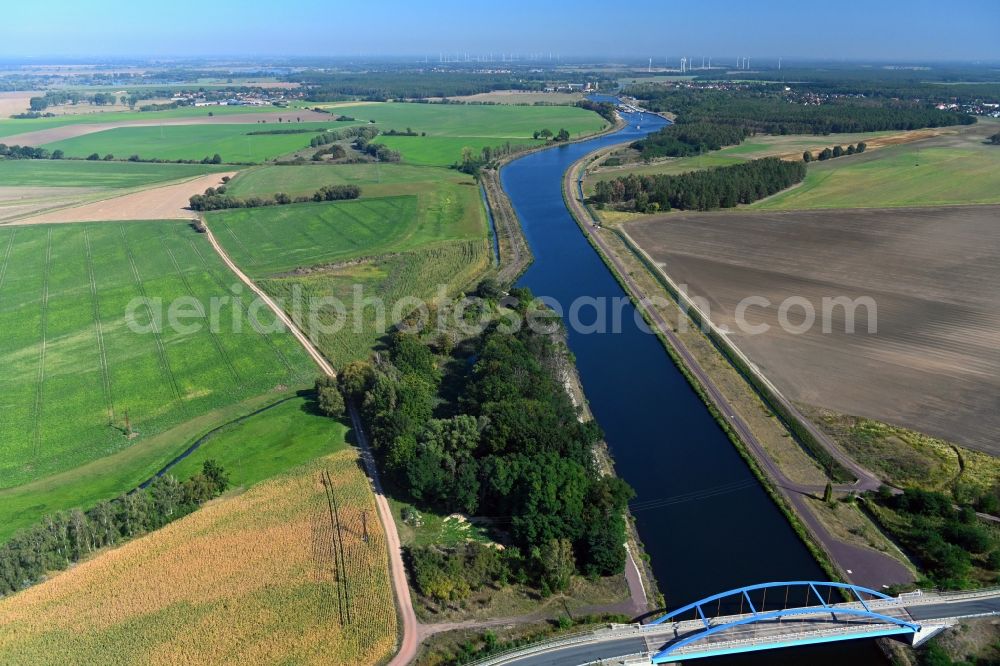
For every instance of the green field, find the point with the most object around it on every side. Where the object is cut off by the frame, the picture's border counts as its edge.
(430, 233)
(905, 175)
(265, 241)
(72, 365)
(453, 266)
(753, 148)
(114, 473)
(282, 437)
(452, 127)
(10, 126)
(445, 150)
(461, 120)
(111, 175)
(375, 179)
(192, 142)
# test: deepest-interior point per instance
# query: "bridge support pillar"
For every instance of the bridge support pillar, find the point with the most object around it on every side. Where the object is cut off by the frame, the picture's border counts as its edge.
(926, 631)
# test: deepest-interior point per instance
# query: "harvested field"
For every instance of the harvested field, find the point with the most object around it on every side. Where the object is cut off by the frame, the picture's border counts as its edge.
(14, 102)
(168, 202)
(274, 575)
(21, 201)
(52, 134)
(934, 363)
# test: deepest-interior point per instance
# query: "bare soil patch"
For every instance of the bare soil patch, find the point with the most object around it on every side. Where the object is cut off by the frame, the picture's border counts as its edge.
(15, 102)
(933, 365)
(40, 137)
(166, 202)
(19, 201)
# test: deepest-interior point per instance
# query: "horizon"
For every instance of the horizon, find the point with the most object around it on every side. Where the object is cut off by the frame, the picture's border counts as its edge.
(846, 32)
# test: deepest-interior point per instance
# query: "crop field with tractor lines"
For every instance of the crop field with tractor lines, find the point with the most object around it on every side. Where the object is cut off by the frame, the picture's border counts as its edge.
(74, 367)
(294, 570)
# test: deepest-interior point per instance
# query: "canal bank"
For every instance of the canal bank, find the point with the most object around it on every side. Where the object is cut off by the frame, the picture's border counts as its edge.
(706, 522)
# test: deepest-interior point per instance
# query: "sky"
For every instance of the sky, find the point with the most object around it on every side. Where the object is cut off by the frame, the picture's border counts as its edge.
(877, 30)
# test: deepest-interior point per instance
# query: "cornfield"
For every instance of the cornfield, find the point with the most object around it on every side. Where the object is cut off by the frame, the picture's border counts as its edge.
(265, 577)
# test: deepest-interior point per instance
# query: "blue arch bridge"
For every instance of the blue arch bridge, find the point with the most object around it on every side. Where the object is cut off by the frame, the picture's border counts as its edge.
(766, 616)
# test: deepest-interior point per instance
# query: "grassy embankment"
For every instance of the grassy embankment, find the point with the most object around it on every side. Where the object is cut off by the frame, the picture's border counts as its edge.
(251, 576)
(433, 232)
(73, 365)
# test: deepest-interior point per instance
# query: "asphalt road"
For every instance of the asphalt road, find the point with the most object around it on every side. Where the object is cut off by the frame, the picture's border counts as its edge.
(955, 609)
(574, 655)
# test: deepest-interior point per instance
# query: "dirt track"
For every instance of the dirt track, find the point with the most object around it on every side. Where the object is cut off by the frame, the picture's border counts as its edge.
(933, 365)
(167, 202)
(40, 137)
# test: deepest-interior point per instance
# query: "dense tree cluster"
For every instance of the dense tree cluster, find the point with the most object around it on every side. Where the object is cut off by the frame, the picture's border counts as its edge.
(63, 538)
(771, 113)
(511, 447)
(379, 151)
(721, 187)
(56, 97)
(367, 132)
(28, 153)
(471, 162)
(216, 198)
(605, 110)
(334, 151)
(409, 131)
(682, 139)
(947, 541)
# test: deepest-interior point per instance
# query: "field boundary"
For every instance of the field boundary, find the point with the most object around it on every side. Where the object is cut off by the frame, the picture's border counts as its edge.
(99, 330)
(43, 326)
(211, 332)
(160, 347)
(238, 303)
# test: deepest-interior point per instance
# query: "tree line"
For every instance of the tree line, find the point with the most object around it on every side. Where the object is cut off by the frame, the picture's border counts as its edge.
(605, 110)
(16, 152)
(472, 162)
(494, 434)
(768, 111)
(215, 198)
(720, 187)
(694, 138)
(61, 539)
(836, 151)
(57, 97)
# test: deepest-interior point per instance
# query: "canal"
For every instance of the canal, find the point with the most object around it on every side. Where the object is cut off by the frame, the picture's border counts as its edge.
(705, 521)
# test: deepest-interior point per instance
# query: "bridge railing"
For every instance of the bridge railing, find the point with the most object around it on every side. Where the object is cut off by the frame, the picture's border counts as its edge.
(545, 644)
(855, 629)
